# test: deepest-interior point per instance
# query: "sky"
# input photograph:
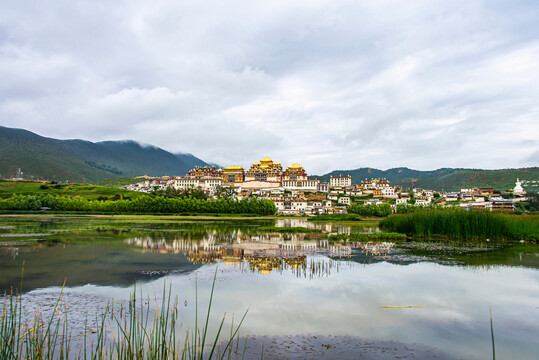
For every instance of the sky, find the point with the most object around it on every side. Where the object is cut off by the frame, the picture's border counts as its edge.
(328, 84)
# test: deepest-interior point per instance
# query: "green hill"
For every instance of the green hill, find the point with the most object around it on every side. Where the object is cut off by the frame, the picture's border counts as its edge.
(86, 191)
(84, 161)
(446, 179)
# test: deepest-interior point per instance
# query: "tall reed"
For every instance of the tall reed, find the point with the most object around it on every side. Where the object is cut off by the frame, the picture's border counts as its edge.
(133, 332)
(456, 223)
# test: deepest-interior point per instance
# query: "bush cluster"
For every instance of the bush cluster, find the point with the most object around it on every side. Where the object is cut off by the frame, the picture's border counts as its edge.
(371, 210)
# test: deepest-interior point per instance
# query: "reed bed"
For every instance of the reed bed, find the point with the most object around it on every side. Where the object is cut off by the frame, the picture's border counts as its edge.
(457, 223)
(135, 331)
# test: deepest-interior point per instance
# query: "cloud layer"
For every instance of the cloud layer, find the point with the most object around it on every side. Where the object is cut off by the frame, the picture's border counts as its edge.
(330, 84)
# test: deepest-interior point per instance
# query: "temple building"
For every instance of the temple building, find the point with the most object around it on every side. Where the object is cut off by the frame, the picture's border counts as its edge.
(265, 170)
(233, 174)
(518, 190)
(301, 185)
(375, 184)
(340, 181)
(295, 172)
(206, 172)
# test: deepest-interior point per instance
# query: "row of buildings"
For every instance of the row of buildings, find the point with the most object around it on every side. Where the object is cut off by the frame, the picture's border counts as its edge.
(294, 193)
(265, 174)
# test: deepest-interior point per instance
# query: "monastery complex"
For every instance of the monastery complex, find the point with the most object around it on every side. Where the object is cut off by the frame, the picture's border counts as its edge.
(294, 193)
(265, 174)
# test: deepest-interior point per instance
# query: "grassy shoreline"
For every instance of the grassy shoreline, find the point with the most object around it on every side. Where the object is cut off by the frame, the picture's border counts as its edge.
(141, 216)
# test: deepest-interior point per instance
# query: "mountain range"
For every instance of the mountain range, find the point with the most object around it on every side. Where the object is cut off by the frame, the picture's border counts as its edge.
(445, 179)
(85, 161)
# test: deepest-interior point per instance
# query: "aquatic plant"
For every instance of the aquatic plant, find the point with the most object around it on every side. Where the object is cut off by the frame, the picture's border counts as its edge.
(492, 336)
(455, 223)
(133, 332)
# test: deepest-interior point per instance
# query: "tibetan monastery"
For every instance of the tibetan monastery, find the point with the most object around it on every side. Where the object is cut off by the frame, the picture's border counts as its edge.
(233, 174)
(265, 170)
(295, 172)
(206, 172)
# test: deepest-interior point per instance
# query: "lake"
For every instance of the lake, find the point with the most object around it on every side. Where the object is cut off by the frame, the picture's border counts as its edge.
(306, 297)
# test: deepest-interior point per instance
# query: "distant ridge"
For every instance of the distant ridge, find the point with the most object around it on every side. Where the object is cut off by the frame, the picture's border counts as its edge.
(85, 161)
(448, 179)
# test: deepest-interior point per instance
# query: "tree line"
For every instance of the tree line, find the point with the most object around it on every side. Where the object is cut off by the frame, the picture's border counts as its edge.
(370, 210)
(158, 204)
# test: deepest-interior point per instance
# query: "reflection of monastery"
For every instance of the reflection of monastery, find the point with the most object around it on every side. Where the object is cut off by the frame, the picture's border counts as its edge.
(262, 253)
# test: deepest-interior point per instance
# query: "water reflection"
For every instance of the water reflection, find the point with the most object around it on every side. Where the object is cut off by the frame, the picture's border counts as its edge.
(296, 284)
(330, 228)
(265, 253)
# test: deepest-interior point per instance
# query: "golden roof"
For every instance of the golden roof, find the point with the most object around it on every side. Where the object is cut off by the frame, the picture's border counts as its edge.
(266, 159)
(234, 167)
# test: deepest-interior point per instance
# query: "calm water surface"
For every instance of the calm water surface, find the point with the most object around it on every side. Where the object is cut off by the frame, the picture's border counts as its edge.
(306, 297)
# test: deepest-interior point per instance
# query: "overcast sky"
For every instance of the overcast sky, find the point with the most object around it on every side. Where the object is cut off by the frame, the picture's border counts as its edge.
(328, 84)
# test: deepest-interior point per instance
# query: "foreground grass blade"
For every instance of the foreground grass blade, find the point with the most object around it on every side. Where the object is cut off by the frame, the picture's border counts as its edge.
(134, 334)
(492, 336)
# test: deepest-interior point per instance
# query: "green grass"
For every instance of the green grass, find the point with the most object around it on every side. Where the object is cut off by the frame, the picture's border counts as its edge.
(368, 237)
(457, 223)
(118, 182)
(335, 217)
(275, 229)
(89, 192)
(131, 332)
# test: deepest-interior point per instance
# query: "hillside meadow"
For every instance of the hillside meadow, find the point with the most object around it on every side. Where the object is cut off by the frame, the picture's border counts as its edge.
(86, 191)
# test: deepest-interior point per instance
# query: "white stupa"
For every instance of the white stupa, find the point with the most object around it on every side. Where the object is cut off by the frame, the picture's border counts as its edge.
(518, 190)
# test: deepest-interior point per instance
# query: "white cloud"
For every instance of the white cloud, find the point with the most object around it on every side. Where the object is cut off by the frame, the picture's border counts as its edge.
(330, 84)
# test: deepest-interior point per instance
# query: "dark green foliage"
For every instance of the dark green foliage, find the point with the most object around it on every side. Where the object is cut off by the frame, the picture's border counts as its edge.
(532, 204)
(43, 187)
(371, 210)
(368, 237)
(84, 161)
(456, 223)
(275, 229)
(108, 168)
(153, 205)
